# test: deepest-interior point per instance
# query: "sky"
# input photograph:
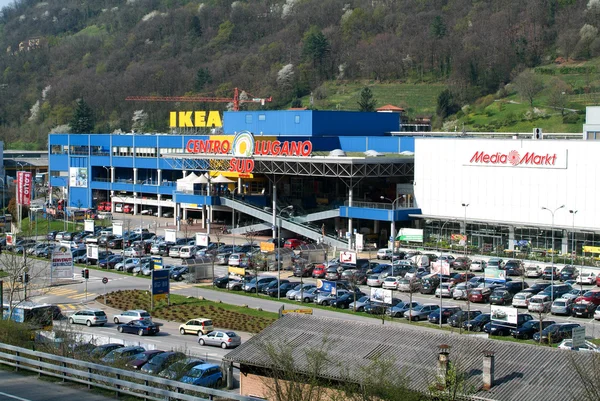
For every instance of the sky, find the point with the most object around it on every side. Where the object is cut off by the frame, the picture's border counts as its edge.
(4, 3)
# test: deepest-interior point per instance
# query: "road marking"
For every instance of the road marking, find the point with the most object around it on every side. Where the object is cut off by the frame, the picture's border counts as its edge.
(90, 295)
(14, 397)
(61, 291)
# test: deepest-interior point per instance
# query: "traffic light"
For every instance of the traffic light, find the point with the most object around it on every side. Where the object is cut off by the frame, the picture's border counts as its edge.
(86, 273)
(25, 278)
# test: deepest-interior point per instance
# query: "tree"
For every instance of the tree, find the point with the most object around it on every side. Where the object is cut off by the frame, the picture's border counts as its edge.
(316, 46)
(528, 85)
(366, 102)
(445, 104)
(202, 79)
(83, 118)
(558, 95)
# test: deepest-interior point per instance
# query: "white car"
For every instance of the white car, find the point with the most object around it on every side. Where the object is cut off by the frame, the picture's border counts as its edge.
(445, 290)
(390, 283)
(586, 278)
(588, 347)
(533, 271)
(539, 303)
(597, 314)
(127, 264)
(174, 251)
(235, 259)
(478, 265)
(521, 299)
(461, 289)
(130, 315)
(384, 254)
(188, 251)
(132, 252)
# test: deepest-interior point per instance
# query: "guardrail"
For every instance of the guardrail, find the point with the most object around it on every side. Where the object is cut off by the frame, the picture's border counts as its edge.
(119, 380)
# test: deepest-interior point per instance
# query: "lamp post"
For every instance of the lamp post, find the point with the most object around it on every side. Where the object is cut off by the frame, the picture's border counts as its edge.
(393, 225)
(291, 207)
(441, 265)
(573, 247)
(109, 182)
(552, 256)
(465, 205)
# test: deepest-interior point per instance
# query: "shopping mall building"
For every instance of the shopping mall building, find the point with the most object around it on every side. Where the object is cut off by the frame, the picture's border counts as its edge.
(345, 173)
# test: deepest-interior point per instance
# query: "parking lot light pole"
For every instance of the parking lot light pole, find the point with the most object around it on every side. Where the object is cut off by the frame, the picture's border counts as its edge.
(466, 205)
(290, 207)
(552, 256)
(573, 247)
(441, 264)
(393, 225)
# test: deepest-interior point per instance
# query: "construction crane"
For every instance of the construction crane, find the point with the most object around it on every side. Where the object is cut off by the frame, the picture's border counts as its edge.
(198, 99)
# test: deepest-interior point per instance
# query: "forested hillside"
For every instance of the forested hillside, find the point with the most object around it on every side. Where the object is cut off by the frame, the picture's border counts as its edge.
(57, 51)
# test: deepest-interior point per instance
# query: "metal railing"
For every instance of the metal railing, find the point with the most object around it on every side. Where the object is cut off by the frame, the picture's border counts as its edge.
(381, 205)
(119, 380)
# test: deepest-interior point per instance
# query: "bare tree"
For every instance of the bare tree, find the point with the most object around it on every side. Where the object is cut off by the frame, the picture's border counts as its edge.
(528, 85)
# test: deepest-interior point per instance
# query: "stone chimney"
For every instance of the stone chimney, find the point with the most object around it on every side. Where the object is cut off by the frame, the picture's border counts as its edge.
(488, 369)
(443, 364)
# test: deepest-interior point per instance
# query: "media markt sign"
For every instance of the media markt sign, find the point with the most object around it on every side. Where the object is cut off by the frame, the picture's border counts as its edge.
(517, 158)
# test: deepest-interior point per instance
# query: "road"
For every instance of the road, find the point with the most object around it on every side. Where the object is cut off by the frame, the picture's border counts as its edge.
(18, 387)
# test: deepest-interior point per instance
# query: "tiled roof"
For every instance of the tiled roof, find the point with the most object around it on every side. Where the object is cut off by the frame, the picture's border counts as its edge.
(522, 371)
(389, 107)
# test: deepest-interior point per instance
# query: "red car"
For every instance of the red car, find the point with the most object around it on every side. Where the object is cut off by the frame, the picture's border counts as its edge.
(293, 243)
(104, 207)
(461, 277)
(589, 297)
(127, 209)
(480, 295)
(598, 281)
(319, 271)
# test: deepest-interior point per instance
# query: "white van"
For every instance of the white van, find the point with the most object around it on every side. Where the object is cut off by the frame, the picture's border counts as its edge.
(119, 207)
(105, 215)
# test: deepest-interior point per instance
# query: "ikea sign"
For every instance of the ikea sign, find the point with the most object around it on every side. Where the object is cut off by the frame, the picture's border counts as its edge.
(195, 119)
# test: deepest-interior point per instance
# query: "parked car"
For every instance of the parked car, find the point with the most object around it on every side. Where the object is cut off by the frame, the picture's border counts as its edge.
(561, 306)
(385, 254)
(303, 270)
(293, 243)
(445, 313)
(89, 317)
(574, 294)
(196, 326)
(283, 289)
(533, 271)
(131, 315)
(457, 319)
(481, 295)
(100, 351)
(347, 299)
(178, 369)
(537, 288)
(223, 339)
(319, 271)
(399, 309)
(497, 263)
(478, 265)
(501, 297)
(586, 278)
(521, 299)
(555, 333)
(162, 361)
(122, 355)
(379, 308)
(307, 296)
(477, 323)
(550, 273)
(325, 298)
(421, 312)
(461, 263)
(444, 290)
(390, 283)
(514, 267)
(557, 290)
(498, 328)
(139, 327)
(528, 329)
(291, 294)
(139, 360)
(409, 284)
(540, 303)
(205, 375)
(588, 346)
(583, 309)
(569, 273)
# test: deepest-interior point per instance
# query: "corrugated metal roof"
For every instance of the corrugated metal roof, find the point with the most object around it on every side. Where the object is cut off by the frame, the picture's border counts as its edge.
(522, 371)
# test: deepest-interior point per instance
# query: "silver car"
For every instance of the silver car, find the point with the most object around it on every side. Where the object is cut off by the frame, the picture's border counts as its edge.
(325, 298)
(223, 339)
(307, 296)
(129, 315)
(540, 303)
(561, 306)
(89, 317)
(521, 299)
(291, 294)
(375, 280)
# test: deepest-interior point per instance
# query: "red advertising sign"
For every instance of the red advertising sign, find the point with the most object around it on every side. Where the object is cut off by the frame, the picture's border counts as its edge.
(23, 188)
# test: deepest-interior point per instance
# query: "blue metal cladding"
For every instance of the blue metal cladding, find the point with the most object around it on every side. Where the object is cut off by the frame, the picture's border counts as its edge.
(377, 214)
(384, 144)
(354, 123)
(278, 123)
(80, 197)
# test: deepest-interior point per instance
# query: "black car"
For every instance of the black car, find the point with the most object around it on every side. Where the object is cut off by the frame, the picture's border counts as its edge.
(101, 350)
(178, 273)
(379, 308)
(221, 282)
(568, 273)
(345, 300)
(139, 327)
(101, 255)
(515, 286)
(462, 316)
(528, 329)
(549, 273)
(283, 289)
(537, 288)
(555, 333)
(115, 243)
(446, 312)
(496, 328)
(461, 263)
(514, 268)
(303, 270)
(273, 284)
(162, 361)
(501, 297)
(583, 309)
(477, 323)
(51, 235)
(110, 262)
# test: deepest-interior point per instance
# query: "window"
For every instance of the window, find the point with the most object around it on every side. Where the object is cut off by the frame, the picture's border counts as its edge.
(262, 117)
(297, 119)
(248, 118)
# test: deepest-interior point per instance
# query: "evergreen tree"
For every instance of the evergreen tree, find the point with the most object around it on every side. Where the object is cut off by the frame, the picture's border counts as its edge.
(316, 46)
(83, 118)
(366, 101)
(202, 78)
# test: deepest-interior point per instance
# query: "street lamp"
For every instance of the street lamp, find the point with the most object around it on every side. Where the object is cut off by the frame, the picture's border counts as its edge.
(393, 202)
(465, 205)
(291, 207)
(441, 265)
(552, 256)
(573, 247)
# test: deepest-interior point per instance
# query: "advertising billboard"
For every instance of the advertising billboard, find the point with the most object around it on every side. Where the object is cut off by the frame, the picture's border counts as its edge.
(160, 284)
(11, 239)
(170, 235)
(23, 188)
(504, 314)
(440, 267)
(201, 239)
(327, 286)
(158, 262)
(78, 177)
(92, 251)
(410, 235)
(348, 257)
(88, 226)
(61, 265)
(381, 295)
(494, 273)
(117, 227)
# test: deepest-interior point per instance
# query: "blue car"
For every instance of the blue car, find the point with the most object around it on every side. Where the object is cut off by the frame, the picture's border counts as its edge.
(205, 375)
